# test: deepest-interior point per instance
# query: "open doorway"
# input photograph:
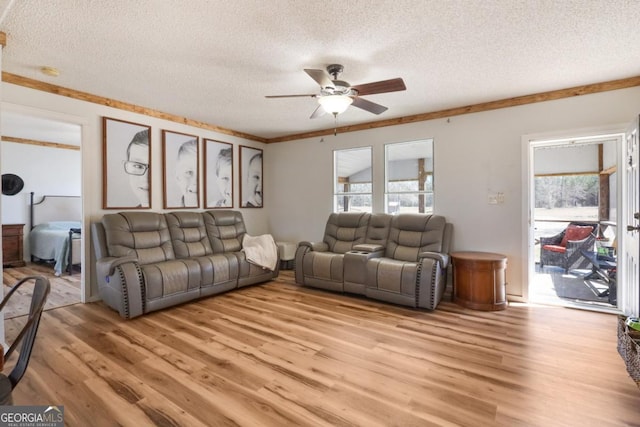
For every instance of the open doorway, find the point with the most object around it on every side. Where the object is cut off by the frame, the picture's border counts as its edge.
(45, 152)
(574, 185)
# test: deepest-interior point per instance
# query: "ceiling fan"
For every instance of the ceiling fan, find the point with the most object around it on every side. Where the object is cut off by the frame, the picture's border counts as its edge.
(336, 95)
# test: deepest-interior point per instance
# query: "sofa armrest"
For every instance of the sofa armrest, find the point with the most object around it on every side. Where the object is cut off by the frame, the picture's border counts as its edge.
(109, 264)
(432, 281)
(367, 247)
(442, 258)
(315, 246)
(121, 285)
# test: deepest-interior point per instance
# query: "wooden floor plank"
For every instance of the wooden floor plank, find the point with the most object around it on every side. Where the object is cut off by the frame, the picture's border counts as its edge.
(65, 289)
(278, 354)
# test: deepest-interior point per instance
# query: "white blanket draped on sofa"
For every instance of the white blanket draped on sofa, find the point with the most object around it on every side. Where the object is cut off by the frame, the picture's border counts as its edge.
(261, 250)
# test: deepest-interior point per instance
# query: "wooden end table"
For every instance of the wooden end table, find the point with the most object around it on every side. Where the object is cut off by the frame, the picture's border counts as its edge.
(479, 280)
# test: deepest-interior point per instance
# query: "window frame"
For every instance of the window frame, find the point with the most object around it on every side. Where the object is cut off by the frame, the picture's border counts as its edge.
(348, 195)
(428, 174)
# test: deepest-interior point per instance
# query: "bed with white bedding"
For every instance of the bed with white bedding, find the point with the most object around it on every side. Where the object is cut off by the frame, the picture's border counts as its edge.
(56, 231)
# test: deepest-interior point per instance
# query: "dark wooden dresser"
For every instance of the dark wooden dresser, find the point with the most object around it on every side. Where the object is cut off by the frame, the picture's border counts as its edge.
(12, 253)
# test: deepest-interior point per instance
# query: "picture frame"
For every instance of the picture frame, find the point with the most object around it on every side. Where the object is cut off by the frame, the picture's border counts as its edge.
(218, 174)
(181, 170)
(126, 164)
(251, 177)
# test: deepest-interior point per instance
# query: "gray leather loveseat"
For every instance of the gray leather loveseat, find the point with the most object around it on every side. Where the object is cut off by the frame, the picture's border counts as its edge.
(401, 259)
(148, 261)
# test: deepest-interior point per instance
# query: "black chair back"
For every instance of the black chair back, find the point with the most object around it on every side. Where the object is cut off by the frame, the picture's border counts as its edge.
(27, 334)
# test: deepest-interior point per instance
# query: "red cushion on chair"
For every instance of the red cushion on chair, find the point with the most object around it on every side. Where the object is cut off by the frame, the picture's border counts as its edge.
(576, 232)
(555, 248)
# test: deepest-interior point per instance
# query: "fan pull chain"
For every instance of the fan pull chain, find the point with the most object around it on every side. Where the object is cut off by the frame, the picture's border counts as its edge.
(335, 126)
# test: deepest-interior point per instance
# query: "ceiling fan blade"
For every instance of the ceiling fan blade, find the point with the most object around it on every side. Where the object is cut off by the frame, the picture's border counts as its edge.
(383, 86)
(320, 76)
(369, 106)
(292, 96)
(318, 112)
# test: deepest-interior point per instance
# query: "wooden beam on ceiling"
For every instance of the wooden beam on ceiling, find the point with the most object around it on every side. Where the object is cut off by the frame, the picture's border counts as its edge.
(84, 96)
(456, 111)
(474, 108)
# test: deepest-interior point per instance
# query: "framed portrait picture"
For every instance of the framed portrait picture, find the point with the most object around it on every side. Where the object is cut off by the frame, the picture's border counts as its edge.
(181, 158)
(126, 165)
(251, 195)
(218, 174)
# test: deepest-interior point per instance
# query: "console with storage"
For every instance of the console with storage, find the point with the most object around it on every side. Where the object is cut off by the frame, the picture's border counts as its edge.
(400, 259)
(148, 261)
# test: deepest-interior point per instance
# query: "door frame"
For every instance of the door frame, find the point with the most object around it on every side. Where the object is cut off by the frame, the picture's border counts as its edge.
(630, 304)
(84, 125)
(529, 143)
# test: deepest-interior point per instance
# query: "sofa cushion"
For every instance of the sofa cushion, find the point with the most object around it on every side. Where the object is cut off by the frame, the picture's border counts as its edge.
(378, 229)
(167, 278)
(188, 234)
(324, 265)
(144, 235)
(225, 230)
(411, 234)
(250, 273)
(218, 270)
(392, 275)
(344, 230)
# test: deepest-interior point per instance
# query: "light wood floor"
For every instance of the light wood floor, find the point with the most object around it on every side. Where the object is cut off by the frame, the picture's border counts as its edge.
(281, 355)
(65, 289)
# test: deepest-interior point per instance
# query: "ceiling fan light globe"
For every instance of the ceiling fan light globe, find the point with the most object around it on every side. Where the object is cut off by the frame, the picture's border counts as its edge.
(335, 104)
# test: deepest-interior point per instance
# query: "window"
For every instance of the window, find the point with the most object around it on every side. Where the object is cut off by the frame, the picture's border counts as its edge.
(352, 180)
(409, 177)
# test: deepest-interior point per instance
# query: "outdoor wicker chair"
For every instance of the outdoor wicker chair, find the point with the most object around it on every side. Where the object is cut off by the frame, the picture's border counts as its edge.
(563, 249)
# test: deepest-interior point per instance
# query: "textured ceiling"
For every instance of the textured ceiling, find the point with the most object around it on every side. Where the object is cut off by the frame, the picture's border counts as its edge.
(214, 61)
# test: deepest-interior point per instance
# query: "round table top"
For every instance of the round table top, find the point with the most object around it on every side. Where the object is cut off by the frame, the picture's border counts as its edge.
(478, 256)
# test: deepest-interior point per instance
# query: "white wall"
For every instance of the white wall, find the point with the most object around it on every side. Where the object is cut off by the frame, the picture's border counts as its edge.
(90, 117)
(44, 170)
(474, 155)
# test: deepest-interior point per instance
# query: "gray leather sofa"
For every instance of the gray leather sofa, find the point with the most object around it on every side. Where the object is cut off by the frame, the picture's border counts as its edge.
(148, 261)
(401, 259)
